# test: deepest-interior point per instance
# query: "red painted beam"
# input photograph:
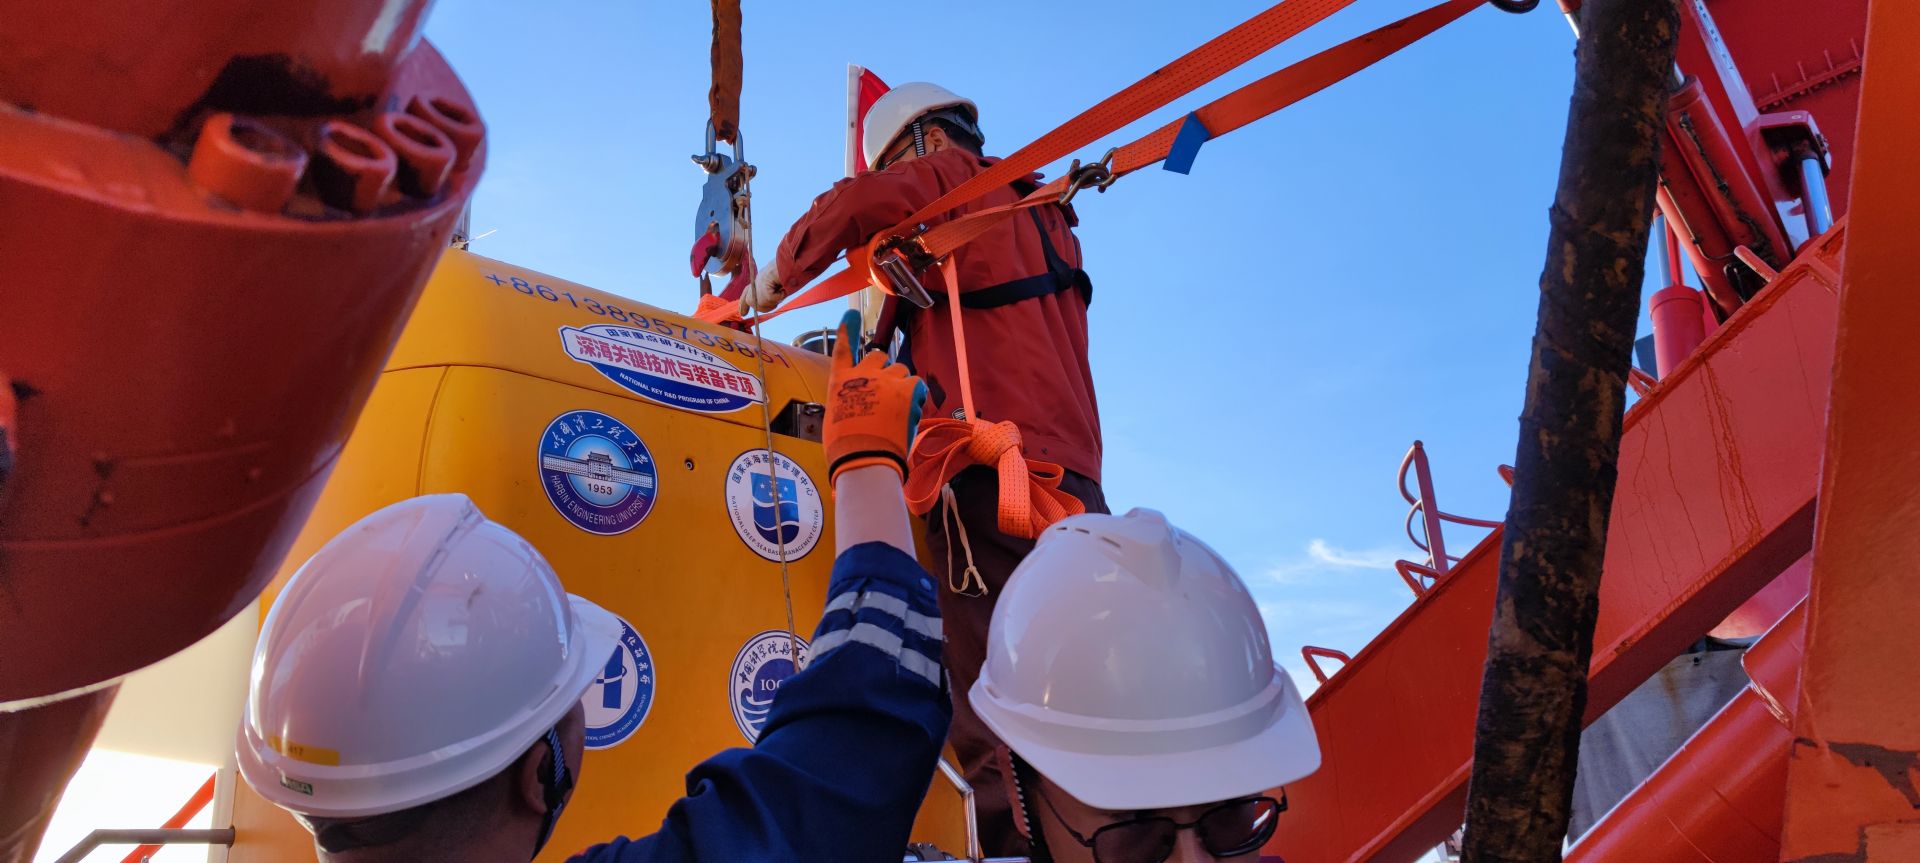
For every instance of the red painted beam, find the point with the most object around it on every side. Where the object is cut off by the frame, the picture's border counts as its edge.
(1717, 477)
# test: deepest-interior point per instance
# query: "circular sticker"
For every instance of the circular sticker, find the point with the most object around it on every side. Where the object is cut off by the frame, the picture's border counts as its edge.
(597, 472)
(761, 666)
(622, 694)
(774, 508)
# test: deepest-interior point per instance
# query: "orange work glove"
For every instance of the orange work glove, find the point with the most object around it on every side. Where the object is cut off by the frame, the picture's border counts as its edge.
(873, 406)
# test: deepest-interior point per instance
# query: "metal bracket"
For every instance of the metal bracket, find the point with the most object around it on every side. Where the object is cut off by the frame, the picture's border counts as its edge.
(900, 261)
(1098, 175)
(726, 211)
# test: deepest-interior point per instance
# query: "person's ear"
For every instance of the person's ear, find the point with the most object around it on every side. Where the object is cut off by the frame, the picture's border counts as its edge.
(526, 772)
(936, 138)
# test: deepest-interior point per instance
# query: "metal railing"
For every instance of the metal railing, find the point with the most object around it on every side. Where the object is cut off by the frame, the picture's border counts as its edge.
(150, 836)
(967, 809)
(1432, 537)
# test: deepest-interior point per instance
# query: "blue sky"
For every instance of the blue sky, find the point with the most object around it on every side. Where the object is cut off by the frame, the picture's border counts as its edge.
(1269, 334)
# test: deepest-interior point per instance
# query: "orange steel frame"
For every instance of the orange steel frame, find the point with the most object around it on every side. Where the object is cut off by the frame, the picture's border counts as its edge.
(1717, 481)
(1851, 790)
(1721, 466)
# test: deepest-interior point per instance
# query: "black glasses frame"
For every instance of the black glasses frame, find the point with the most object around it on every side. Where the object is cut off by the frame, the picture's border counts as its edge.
(1253, 844)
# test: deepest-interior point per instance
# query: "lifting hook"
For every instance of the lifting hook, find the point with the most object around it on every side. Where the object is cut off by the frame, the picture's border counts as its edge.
(723, 225)
(1098, 175)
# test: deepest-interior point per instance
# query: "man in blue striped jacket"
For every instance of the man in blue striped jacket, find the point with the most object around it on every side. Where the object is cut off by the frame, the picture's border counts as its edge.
(427, 603)
(851, 744)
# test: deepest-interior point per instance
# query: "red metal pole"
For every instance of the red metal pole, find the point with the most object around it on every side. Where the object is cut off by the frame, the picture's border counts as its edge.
(1674, 272)
(1430, 509)
(192, 807)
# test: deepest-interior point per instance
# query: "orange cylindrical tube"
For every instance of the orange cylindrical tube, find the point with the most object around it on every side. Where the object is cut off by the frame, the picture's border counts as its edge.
(1720, 798)
(1678, 326)
(1717, 800)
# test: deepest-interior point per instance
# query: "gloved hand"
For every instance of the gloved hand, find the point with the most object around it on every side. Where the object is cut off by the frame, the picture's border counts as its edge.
(766, 290)
(873, 406)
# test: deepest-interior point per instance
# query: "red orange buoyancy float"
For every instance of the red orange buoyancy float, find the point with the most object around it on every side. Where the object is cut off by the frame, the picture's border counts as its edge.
(214, 219)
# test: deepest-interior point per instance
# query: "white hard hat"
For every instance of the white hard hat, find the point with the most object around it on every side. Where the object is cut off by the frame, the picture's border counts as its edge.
(1128, 664)
(896, 109)
(417, 654)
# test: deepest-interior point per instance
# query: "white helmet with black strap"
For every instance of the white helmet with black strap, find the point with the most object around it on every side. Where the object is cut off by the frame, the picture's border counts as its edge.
(1128, 664)
(417, 654)
(906, 109)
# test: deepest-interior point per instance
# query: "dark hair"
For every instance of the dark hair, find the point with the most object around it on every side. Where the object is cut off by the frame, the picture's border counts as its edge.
(959, 136)
(456, 813)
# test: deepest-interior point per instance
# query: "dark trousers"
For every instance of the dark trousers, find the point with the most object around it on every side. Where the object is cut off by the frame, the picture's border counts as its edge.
(977, 493)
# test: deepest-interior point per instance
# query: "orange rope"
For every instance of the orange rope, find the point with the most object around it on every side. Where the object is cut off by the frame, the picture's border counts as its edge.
(715, 310)
(1030, 495)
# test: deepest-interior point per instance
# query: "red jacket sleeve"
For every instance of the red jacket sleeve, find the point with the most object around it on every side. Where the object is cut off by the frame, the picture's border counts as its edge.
(855, 209)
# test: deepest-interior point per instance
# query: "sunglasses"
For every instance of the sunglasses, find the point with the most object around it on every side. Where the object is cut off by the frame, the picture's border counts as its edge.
(1230, 829)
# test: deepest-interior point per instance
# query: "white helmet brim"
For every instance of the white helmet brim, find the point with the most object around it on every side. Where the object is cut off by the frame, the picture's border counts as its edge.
(1140, 764)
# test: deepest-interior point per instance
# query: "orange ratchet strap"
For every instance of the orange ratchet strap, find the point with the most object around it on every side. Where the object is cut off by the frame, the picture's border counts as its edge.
(1226, 114)
(1220, 55)
(1223, 115)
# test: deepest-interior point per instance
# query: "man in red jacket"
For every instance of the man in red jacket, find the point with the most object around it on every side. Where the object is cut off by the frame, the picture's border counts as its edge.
(1024, 303)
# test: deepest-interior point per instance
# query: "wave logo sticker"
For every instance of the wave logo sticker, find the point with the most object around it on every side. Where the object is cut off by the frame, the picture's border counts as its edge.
(777, 508)
(597, 472)
(662, 369)
(621, 695)
(762, 665)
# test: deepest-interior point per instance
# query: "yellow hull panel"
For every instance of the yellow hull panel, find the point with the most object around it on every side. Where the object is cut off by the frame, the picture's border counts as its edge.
(508, 386)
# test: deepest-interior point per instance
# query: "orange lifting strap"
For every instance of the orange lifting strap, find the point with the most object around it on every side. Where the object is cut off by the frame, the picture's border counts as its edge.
(1221, 116)
(1030, 497)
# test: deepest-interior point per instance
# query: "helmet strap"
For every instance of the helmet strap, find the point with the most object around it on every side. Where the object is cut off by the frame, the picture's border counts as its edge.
(556, 782)
(1022, 777)
(919, 140)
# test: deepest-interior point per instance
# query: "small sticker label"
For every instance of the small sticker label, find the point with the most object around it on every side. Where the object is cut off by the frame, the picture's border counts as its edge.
(597, 472)
(774, 509)
(302, 752)
(622, 694)
(663, 369)
(762, 665)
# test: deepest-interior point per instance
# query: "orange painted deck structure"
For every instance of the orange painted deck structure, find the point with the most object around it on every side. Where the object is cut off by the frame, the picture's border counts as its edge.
(224, 247)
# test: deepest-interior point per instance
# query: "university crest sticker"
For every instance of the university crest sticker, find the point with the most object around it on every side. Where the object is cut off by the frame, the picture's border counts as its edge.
(597, 472)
